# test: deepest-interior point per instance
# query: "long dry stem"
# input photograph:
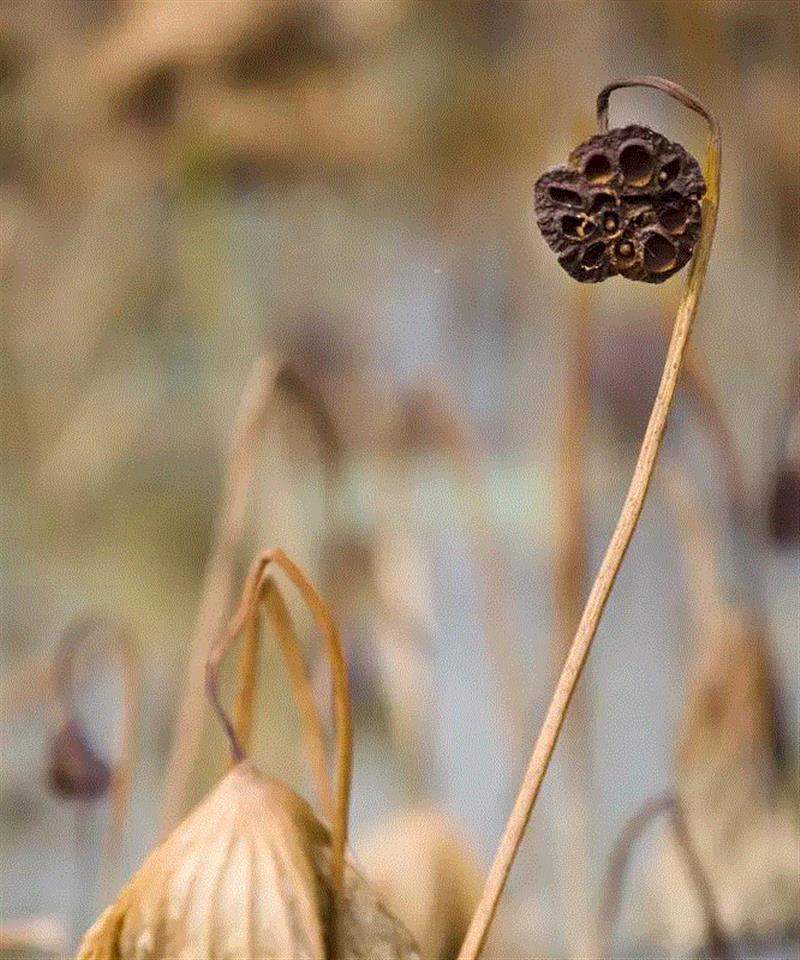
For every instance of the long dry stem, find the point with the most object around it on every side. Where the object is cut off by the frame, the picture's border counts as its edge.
(45, 934)
(247, 674)
(310, 721)
(268, 375)
(716, 942)
(626, 524)
(341, 694)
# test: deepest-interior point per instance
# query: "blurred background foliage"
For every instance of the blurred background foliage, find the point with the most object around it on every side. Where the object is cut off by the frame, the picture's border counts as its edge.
(185, 184)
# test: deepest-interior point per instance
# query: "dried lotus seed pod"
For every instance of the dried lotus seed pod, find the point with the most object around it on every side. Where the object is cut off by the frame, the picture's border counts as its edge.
(247, 874)
(75, 770)
(627, 202)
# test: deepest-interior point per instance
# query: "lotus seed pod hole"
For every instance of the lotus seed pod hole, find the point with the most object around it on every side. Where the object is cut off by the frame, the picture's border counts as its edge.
(563, 195)
(598, 168)
(636, 164)
(659, 254)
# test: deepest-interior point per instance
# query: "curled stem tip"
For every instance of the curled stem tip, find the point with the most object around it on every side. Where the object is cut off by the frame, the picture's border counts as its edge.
(341, 696)
(672, 89)
(623, 532)
(668, 804)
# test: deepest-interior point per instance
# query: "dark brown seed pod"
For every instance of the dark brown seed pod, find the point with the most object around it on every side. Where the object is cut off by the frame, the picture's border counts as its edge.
(76, 771)
(627, 202)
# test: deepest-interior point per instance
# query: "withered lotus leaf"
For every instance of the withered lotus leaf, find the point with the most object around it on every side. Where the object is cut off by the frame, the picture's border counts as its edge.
(246, 875)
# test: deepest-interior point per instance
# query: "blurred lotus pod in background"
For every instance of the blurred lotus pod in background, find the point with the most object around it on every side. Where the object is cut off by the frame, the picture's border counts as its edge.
(426, 874)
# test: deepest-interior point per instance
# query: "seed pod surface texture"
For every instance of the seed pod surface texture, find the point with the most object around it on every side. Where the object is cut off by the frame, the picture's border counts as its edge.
(627, 202)
(247, 874)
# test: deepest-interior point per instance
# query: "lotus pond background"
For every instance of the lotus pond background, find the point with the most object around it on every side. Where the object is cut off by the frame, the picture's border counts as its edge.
(188, 184)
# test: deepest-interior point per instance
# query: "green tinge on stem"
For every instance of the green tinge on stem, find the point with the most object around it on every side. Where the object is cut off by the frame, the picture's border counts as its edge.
(626, 524)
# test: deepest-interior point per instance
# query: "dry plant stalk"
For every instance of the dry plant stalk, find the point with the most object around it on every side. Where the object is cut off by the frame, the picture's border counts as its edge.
(247, 675)
(626, 524)
(716, 942)
(75, 770)
(267, 377)
(282, 623)
(251, 871)
(783, 511)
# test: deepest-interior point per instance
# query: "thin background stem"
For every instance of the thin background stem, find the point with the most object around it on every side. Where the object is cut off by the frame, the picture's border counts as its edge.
(247, 674)
(626, 524)
(267, 376)
(702, 566)
(618, 867)
(700, 387)
(119, 796)
(41, 934)
(77, 634)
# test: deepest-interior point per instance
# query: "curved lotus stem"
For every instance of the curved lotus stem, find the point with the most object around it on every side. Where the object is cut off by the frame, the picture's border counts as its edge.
(669, 804)
(313, 731)
(77, 633)
(626, 524)
(247, 672)
(341, 693)
(268, 376)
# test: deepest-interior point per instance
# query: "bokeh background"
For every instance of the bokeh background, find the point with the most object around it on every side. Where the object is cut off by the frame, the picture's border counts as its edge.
(187, 184)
